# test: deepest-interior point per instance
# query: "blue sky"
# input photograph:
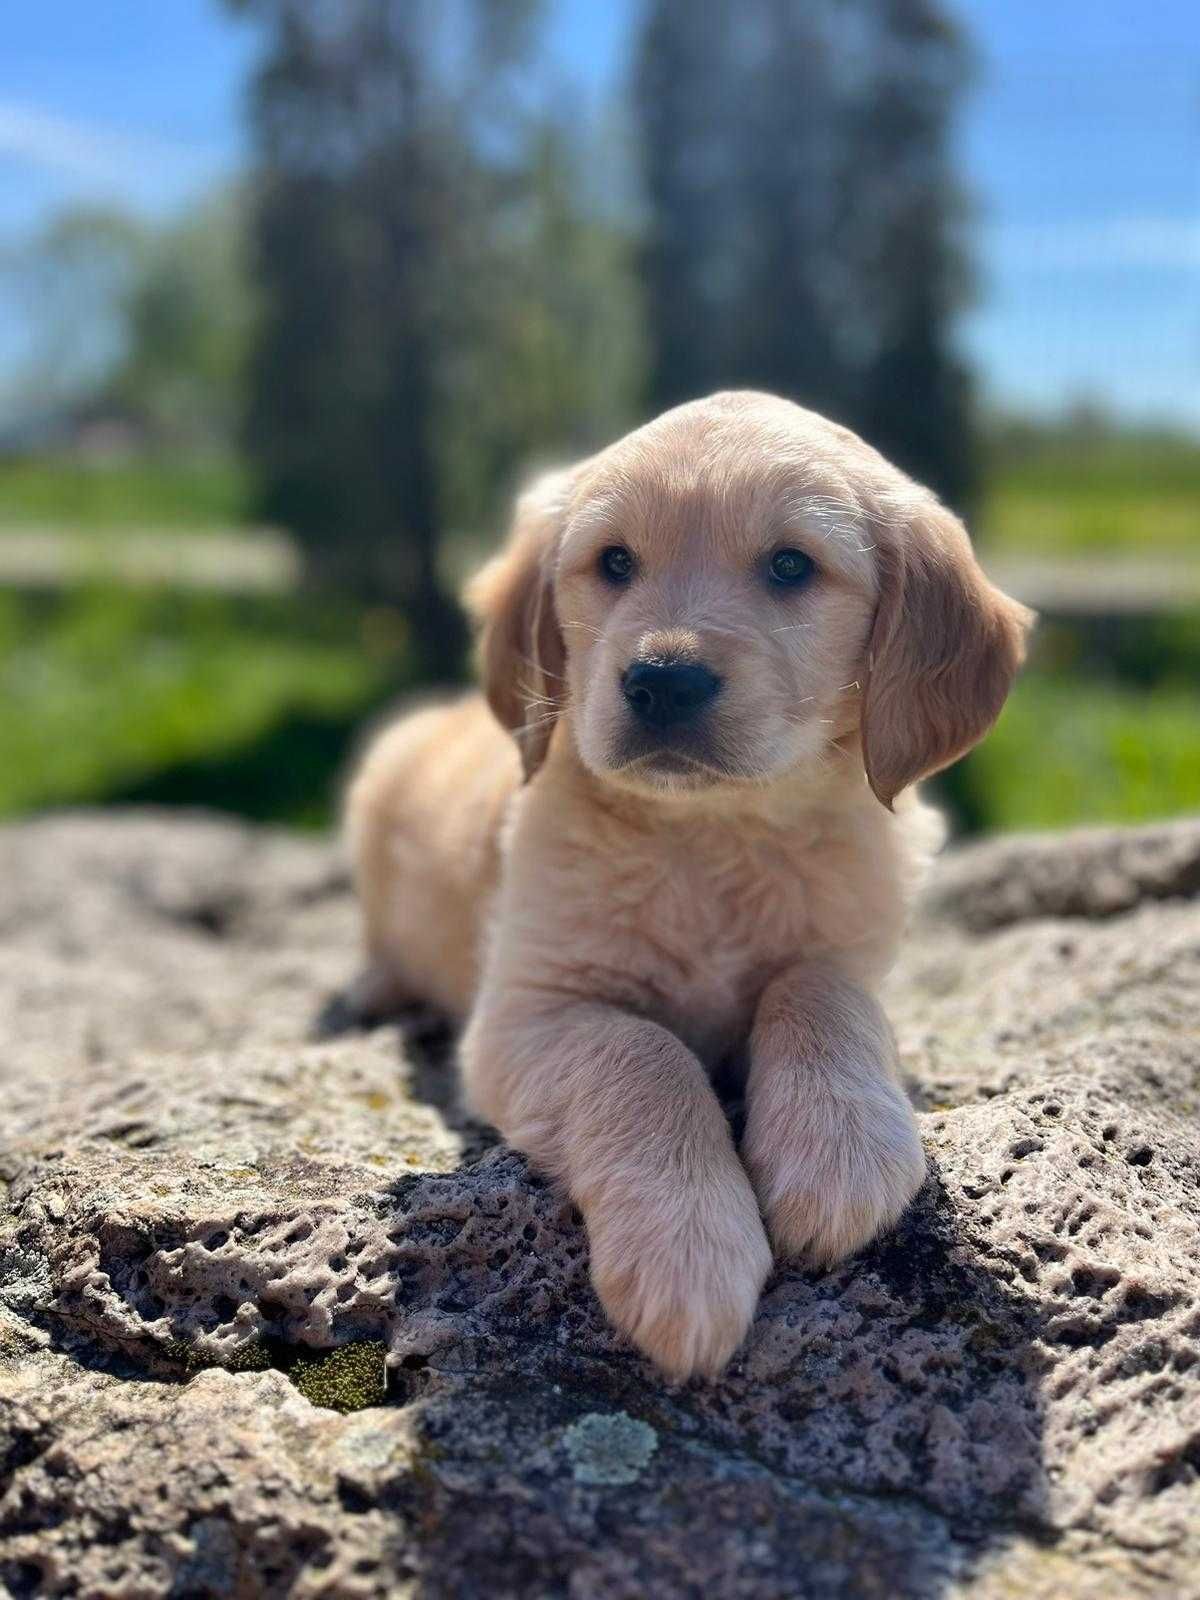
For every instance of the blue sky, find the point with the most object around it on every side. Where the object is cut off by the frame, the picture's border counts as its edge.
(1080, 144)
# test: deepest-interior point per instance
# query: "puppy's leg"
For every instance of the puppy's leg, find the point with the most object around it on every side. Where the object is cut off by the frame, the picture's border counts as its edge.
(373, 997)
(831, 1142)
(619, 1110)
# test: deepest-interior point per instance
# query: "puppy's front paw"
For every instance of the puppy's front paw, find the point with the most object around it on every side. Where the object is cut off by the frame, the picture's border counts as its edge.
(829, 1184)
(680, 1271)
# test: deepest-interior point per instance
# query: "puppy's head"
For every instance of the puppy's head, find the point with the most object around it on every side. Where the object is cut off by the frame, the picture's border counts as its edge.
(728, 592)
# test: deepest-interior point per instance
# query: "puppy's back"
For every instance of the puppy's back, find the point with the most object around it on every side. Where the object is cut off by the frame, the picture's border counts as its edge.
(423, 816)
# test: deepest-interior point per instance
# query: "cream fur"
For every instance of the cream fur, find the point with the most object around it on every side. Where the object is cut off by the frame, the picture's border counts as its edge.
(620, 928)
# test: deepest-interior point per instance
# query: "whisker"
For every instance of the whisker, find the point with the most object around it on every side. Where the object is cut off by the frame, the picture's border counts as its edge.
(532, 698)
(538, 667)
(792, 627)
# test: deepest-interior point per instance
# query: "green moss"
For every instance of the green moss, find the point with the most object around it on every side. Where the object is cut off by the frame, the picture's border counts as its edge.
(182, 1354)
(249, 1357)
(347, 1379)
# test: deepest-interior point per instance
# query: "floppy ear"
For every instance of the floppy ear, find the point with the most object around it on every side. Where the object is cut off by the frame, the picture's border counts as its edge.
(944, 649)
(521, 654)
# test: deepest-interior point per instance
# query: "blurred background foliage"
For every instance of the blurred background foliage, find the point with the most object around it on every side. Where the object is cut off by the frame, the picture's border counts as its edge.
(317, 389)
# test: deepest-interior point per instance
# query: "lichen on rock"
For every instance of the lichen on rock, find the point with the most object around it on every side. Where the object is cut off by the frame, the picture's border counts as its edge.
(609, 1449)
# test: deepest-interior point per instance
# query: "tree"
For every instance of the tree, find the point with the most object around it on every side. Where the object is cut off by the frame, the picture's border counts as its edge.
(71, 283)
(551, 363)
(915, 397)
(148, 324)
(384, 131)
(188, 317)
(802, 213)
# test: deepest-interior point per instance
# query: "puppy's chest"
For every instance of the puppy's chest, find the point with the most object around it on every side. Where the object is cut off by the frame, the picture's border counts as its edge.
(704, 932)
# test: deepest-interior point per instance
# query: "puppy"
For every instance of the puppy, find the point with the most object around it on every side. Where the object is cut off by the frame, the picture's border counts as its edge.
(683, 839)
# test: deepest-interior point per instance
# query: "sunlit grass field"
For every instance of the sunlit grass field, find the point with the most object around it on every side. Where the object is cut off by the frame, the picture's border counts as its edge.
(1115, 496)
(247, 705)
(252, 704)
(78, 496)
(1067, 752)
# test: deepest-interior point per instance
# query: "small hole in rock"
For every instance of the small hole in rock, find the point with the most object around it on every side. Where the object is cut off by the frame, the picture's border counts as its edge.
(22, 1577)
(1020, 1148)
(352, 1498)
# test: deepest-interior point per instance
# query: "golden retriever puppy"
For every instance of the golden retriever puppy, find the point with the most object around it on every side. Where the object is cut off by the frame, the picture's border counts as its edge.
(683, 840)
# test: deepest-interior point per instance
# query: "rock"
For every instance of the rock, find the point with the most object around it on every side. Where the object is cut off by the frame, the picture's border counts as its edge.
(216, 1230)
(1094, 873)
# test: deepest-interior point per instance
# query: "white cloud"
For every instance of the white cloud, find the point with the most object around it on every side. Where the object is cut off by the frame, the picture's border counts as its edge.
(96, 158)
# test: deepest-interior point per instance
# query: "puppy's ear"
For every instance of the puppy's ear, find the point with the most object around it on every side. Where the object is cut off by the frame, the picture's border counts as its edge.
(944, 649)
(521, 654)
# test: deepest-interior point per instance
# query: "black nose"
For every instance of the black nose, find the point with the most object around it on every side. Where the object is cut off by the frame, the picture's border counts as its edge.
(663, 693)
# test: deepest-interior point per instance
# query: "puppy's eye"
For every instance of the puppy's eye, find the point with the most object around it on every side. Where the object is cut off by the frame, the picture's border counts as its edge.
(617, 563)
(790, 567)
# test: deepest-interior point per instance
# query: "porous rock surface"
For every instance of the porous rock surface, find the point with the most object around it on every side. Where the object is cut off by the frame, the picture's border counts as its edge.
(199, 1198)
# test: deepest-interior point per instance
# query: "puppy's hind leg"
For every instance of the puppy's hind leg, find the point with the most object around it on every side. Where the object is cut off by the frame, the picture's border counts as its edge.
(379, 992)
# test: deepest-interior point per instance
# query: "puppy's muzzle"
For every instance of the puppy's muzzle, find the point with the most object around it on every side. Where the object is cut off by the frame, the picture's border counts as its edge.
(665, 694)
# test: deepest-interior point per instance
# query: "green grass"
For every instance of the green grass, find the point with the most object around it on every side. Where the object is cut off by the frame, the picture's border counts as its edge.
(1074, 750)
(74, 495)
(1076, 499)
(250, 705)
